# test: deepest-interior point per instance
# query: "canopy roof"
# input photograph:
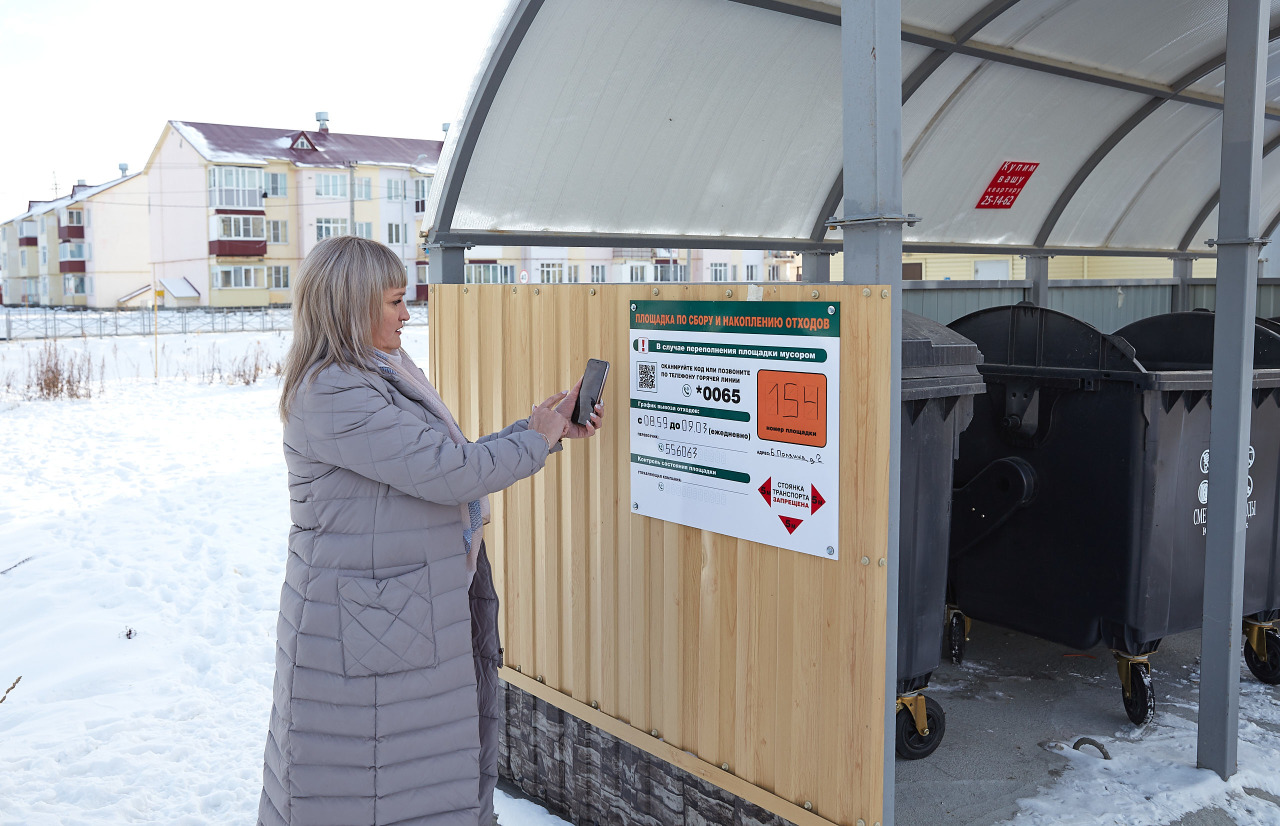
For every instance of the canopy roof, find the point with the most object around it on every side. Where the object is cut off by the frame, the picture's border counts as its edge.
(717, 123)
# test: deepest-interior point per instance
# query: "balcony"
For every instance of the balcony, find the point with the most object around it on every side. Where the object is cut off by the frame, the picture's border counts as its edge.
(71, 266)
(70, 233)
(28, 241)
(241, 247)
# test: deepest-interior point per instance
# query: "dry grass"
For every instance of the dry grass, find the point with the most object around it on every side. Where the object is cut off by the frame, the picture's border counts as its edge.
(55, 374)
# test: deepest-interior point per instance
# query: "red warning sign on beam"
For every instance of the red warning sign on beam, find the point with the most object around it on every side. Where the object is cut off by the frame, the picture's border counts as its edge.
(1006, 185)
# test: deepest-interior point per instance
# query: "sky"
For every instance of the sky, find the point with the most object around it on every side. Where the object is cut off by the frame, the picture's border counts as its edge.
(91, 83)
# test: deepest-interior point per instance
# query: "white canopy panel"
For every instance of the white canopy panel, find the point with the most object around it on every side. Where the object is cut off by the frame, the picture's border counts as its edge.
(694, 123)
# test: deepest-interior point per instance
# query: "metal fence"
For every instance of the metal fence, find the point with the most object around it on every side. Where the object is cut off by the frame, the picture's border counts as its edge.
(49, 322)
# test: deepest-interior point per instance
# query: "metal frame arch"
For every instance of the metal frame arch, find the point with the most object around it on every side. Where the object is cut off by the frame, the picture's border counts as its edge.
(1212, 203)
(1113, 140)
(494, 73)
(967, 30)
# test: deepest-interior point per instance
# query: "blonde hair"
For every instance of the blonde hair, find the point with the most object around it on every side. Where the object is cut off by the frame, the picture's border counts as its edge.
(337, 299)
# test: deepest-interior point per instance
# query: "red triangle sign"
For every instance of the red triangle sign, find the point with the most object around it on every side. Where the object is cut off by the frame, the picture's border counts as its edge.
(791, 523)
(766, 490)
(816, 501)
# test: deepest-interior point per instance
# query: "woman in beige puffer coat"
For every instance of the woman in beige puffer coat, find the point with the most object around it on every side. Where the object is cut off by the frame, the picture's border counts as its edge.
(385, 703)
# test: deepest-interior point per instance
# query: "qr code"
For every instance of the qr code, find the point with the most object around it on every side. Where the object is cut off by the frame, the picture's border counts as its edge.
(647, 376)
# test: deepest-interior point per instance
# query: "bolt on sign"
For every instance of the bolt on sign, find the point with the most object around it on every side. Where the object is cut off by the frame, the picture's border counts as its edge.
(735, 419)
(1006, 185)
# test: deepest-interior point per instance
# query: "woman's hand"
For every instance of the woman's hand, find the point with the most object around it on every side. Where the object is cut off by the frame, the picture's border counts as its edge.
(548, 420)
(575, 430)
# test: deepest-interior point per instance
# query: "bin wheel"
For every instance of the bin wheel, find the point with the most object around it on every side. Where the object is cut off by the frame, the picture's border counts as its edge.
(911, 744)
(1140, 705)
(1269, 671)
(957, 626)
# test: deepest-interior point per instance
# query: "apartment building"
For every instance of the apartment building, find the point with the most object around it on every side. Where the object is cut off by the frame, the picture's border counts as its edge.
(235, 209)
(620, 265)
(86, 249)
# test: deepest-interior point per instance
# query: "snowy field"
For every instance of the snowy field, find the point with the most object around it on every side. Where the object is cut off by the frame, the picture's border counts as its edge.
(142, 546)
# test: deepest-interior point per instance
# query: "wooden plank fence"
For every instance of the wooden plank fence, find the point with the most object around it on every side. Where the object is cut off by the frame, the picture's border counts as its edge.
(757, 669)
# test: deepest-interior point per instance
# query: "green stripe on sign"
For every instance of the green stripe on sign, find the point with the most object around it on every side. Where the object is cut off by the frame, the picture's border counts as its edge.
(713, 472)
(684, 410)
(734, 351)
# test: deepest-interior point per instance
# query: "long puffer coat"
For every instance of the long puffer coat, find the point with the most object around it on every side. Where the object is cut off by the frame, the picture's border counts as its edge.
(375, 717)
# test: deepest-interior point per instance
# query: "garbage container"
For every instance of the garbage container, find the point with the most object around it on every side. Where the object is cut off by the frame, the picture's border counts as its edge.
(939, 379)
(1080, 507)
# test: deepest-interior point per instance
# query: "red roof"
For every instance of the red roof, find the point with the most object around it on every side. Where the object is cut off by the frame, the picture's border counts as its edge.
(252, 144)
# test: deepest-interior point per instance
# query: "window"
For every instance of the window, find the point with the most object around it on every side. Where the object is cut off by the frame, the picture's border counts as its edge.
(22, 258)
(551, 272)
(42, 223)
(75, 218)
(77, 284)
(420, 194)
(277, 185)
(364, 229)
(44, 255)
(719, 272)
(489, 274)
(422, 273)
(396, 189)
(331, 185)
(277, 232)
(73, 251)
(246, 227)
(278, 277)
(232, 277)
(670, 272)
(364, 189)
(397, 233)
(753, 272)
(235, 186)
(572, 274)
(329, 227)
(302, 143)
(638, 273)
(597, 273)
(775, 272)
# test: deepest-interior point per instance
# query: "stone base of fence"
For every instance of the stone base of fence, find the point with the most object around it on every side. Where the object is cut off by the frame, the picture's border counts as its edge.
(591, 778)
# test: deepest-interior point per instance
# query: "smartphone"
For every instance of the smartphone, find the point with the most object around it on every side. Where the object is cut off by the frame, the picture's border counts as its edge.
(592, 390)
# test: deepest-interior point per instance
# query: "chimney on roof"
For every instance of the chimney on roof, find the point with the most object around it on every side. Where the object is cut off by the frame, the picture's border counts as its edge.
(444, 127)
(80, 182)
(323, 118)
(124, 169)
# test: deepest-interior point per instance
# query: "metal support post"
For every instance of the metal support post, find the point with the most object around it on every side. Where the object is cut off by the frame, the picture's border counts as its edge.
(1180, 300)
(1238, 251)
(871, 57)
(447, 265)
(1038, 276)
(817, 267)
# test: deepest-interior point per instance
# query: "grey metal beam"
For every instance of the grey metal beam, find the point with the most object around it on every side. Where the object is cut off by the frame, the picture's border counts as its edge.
(871, 57)
(1205, 211)
(996, 249)
(508, 44)
(1271, 226)
(809, 12)
(447, 264)
(1236, 305)
(816, 267)
(967, 29)
(1038, 276)
(1180, 297)
(572, 239)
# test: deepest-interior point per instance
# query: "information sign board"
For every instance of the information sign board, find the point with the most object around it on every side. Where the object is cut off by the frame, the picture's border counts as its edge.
(735, 419)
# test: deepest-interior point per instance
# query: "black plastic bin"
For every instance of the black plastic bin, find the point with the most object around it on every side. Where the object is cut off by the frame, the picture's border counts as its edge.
(939, 379)
(1079, 514)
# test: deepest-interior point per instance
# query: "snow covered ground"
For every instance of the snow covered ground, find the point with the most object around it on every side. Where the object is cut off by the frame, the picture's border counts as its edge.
(142, 536)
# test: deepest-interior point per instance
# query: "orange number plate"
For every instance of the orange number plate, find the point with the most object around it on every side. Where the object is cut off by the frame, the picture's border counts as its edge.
(792, 407)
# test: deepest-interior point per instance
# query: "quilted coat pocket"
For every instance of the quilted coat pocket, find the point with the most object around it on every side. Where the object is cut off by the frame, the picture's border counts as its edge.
(386, 624)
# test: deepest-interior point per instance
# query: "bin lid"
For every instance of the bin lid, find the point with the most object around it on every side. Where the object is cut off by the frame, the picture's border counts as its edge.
(937, 361)
(1025, 335)
(1184, 341)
